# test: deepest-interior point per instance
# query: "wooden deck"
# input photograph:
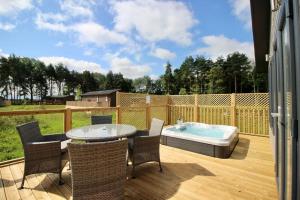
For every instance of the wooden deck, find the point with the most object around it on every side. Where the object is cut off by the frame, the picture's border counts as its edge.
(248, 174)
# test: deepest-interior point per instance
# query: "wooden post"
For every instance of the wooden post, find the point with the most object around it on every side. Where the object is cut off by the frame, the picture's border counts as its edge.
(167, 114)
(117, 98)
(168, 111)
(148, 116)
(196, 114)
(68, 119)
(118, 115)
(233, 109)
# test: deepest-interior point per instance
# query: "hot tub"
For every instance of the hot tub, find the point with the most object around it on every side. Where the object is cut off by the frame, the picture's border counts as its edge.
(212, 140)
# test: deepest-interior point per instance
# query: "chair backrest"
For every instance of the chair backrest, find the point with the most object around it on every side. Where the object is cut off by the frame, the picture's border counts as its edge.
(156, 127)
(98, 169)
(29, 132)
(101, 119)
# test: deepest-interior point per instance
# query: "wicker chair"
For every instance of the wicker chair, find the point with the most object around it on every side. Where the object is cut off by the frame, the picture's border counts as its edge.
(42, 154)
(101, 119)
(144, 146)
(98, 169)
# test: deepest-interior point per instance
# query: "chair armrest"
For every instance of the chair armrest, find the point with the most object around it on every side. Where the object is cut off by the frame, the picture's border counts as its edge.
(140, 133)
(55, 137)
(146, 143)
(42, 150)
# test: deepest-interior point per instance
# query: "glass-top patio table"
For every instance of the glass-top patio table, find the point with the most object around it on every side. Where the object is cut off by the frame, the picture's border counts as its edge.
(101, 132)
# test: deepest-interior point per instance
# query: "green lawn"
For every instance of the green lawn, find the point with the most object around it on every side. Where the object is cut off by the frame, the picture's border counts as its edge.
(10, 144)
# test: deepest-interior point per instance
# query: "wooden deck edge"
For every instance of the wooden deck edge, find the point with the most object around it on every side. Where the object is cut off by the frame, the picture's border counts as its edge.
(11, 162)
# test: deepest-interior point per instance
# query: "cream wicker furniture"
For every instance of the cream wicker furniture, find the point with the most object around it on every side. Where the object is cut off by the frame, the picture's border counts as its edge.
(42, 154)
(98, 169)
(101, 132)
(144, 145)
(101, 119)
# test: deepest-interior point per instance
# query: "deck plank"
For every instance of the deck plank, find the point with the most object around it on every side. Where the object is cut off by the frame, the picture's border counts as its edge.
(248, 174)
(2, 192)
(33, 183)
(10, 188)
(18, 175)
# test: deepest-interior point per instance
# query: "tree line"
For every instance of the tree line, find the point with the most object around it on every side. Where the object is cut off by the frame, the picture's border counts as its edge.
(28, 78)
(233, 74)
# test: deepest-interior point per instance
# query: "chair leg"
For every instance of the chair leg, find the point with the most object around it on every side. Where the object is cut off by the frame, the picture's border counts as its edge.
(22, 184)
(61, 182)
(133, 172)
(160, 168)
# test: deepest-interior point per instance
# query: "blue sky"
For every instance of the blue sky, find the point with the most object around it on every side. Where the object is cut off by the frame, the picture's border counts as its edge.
(134, 37)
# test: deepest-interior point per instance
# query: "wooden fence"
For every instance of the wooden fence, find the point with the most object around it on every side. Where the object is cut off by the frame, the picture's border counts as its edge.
(248, 111)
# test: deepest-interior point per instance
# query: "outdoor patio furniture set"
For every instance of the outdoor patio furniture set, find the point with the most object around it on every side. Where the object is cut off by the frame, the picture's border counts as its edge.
(98, 165)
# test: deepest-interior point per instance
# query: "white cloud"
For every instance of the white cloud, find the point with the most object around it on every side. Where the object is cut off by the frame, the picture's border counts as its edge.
(222, 46)
(73, 64)
(59, 44)
(155, 20)
(50, 21)
(88, 52)
(128, 68)
(12, 7)
(77, 8)
(3, 54)
(164, 54)
(97, 34)
(241, 9)
(7, 26)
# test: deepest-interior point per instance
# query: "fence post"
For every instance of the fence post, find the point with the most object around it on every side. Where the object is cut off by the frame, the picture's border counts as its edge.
(68, 119)
(118, 98)
(168, 110)
(233, 109)
(118, 115)
(196, 115)
(148, 116)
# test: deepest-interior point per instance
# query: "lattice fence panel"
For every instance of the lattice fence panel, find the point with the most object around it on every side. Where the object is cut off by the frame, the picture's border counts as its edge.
(159, 112)
(131, 100)
(158, 100)
(214, 99)
(137, 99)
(134, 116)
(215, 115)
(182, 100)
(181, 112)
(252, 99)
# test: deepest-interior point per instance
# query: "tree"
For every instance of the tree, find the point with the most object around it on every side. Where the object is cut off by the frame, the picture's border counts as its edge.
(182, 91)
(61, 73)
(88, 82)
(51, 76)
(117, 81)
(237, 69)
(39, 77)
(142, 84)
(168, 79)
(200, 70)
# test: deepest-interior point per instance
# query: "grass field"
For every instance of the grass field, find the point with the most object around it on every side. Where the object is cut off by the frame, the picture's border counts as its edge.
(10, 144)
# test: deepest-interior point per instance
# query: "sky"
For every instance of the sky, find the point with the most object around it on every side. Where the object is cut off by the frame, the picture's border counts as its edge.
(134, 37)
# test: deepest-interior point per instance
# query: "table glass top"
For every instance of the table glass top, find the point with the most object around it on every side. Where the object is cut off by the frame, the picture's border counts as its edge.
(101, 131)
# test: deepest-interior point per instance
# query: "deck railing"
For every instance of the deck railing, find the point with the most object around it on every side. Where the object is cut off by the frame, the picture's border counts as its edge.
(249, 112)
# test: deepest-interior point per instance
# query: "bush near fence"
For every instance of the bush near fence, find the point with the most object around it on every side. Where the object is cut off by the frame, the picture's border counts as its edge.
(248, 111)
